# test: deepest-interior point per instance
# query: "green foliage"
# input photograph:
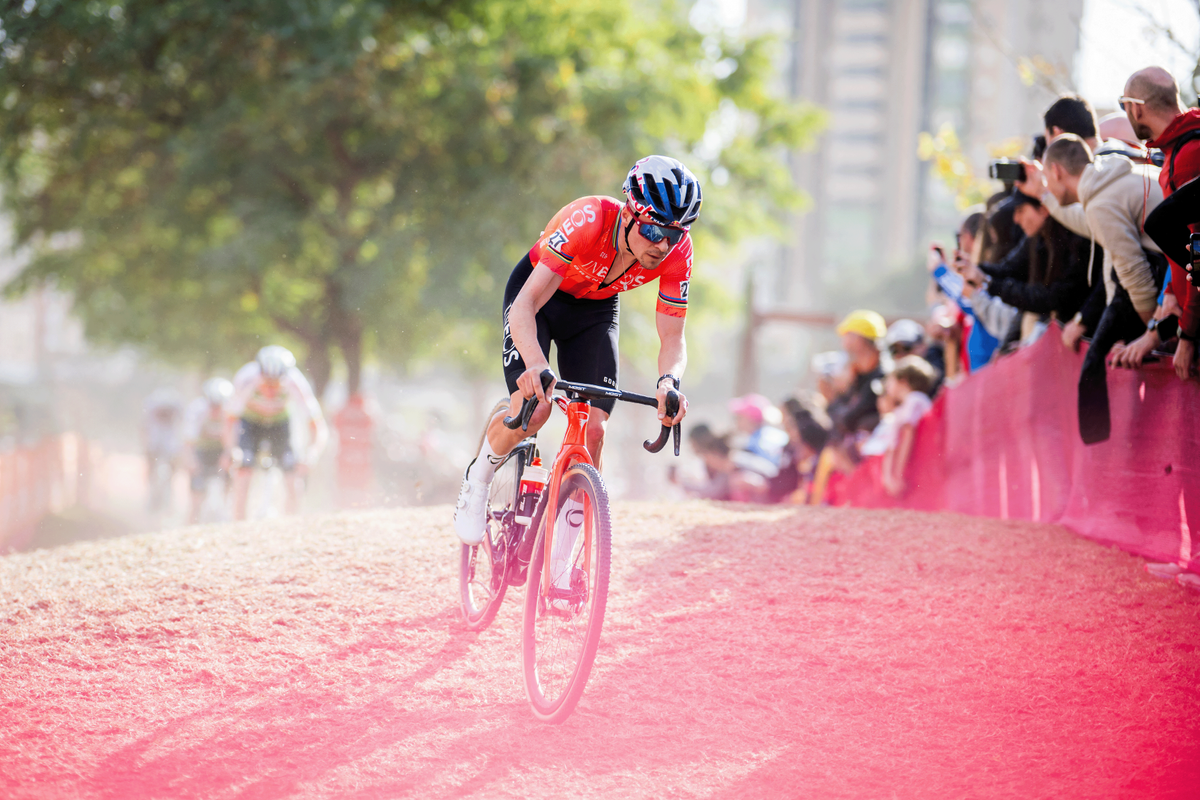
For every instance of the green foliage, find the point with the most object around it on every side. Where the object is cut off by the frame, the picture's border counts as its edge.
(352, 171)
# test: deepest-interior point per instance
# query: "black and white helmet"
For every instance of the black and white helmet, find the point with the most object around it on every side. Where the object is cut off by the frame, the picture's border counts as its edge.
(217, 391)
(274, 360)
(664, 190)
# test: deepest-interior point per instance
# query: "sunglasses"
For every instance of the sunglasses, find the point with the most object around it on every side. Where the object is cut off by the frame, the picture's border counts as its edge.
(656, 233)
(1121, 101)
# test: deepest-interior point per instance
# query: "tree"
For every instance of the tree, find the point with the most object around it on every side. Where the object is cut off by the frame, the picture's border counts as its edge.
(351, 173)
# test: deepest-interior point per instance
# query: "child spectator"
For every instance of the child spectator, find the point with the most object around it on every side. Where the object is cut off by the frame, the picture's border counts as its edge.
(756, 420)
(908, 386)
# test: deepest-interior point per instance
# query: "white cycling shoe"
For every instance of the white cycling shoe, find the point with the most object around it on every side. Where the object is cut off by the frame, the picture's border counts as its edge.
(470, 512)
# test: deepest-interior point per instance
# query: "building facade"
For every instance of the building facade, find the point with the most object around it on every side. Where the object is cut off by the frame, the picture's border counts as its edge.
(888, 71)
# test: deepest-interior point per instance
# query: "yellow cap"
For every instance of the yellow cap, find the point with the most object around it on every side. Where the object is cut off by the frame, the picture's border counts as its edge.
(867, 324)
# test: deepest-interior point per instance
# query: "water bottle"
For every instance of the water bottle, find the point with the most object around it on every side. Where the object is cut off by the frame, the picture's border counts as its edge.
(533, 480)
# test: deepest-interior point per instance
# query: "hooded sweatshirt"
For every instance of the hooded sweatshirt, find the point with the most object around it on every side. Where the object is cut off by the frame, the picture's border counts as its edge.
(1116, 197)
(1187, 167)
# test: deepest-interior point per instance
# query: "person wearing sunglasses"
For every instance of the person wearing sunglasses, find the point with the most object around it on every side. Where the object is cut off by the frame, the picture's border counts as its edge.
(1157, 113)
(565, 291)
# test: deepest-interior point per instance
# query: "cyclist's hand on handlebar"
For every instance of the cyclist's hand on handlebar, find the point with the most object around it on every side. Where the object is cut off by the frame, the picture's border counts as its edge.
(530, 383)
(663, 388)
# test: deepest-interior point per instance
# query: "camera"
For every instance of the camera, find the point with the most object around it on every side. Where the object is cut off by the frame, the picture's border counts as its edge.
(1007, 170)
(1195, 248)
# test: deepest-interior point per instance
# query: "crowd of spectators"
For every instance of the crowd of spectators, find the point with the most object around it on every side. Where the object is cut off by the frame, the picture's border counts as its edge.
(1089, 239)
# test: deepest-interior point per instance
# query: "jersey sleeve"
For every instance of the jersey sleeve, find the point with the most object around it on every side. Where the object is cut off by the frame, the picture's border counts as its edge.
(673, 284)
(243, 386)
(301, 391)
(572, 232)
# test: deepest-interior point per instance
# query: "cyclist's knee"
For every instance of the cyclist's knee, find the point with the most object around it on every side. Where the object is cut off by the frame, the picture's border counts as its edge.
(597, 425)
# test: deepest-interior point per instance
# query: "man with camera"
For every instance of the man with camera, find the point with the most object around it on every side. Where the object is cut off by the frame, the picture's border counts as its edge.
(1156, 112)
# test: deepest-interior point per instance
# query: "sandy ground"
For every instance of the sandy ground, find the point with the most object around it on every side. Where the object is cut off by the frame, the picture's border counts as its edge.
(748, 652)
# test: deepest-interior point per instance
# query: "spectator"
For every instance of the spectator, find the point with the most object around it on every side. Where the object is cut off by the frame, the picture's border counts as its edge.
(908, 385)
(1115, 197)
(755, 419)
(854, 409)
(1155, 112)
(945, 330)
(1117, 136)
(989, 317)
(808, 434)
(729, 474)
(1047, 276)
(1071, 114)
(833, 376)
(906, 337)
(1000, 233)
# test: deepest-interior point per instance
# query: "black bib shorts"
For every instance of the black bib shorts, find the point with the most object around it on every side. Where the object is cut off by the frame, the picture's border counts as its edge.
(585, 332)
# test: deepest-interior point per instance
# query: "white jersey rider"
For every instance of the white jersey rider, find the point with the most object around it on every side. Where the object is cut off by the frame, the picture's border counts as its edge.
(262, 391)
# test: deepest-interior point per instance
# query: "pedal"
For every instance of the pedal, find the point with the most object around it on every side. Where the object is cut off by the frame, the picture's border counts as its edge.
(518, 573)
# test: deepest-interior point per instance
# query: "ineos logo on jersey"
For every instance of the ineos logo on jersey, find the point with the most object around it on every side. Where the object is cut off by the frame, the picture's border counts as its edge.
(579, 217)
(510, 347)
(627, 282)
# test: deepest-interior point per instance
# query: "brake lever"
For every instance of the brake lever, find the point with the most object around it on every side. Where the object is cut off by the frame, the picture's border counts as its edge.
(671, 406)
(523, 417)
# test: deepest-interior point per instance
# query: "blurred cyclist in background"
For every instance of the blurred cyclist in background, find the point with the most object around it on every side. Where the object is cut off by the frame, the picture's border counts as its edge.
(161, 416)
(206, 438)
(261, 391)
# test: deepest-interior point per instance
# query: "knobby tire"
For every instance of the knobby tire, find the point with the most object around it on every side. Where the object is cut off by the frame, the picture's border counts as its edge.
(558, 649)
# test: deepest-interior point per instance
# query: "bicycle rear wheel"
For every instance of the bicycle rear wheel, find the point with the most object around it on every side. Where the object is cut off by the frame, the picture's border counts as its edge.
(483, 566)
(561, 628)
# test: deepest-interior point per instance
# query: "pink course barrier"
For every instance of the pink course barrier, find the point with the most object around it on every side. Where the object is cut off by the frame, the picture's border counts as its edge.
(1005, 443)
(30, 476)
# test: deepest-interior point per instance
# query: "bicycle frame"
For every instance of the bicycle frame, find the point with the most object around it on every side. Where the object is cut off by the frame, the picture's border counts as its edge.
(574, 445)
(572, 451)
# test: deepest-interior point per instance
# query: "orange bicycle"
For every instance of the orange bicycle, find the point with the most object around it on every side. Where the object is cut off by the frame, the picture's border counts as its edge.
(563, 556)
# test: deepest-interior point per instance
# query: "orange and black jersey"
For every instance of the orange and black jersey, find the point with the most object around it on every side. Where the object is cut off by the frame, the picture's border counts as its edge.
(581, 243)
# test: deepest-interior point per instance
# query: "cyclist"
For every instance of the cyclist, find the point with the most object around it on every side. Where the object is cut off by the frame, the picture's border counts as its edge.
(205, 437)
(161, 415)
(565, 290)
(261, 391)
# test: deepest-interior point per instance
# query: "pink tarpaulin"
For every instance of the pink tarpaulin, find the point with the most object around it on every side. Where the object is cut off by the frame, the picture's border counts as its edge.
(1005, 443)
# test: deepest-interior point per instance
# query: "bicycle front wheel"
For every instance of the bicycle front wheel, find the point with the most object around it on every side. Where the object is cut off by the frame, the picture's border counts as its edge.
(567, 595)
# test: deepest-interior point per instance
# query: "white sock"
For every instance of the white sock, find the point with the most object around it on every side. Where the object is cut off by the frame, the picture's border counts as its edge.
(567, 529)
(484, 468)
